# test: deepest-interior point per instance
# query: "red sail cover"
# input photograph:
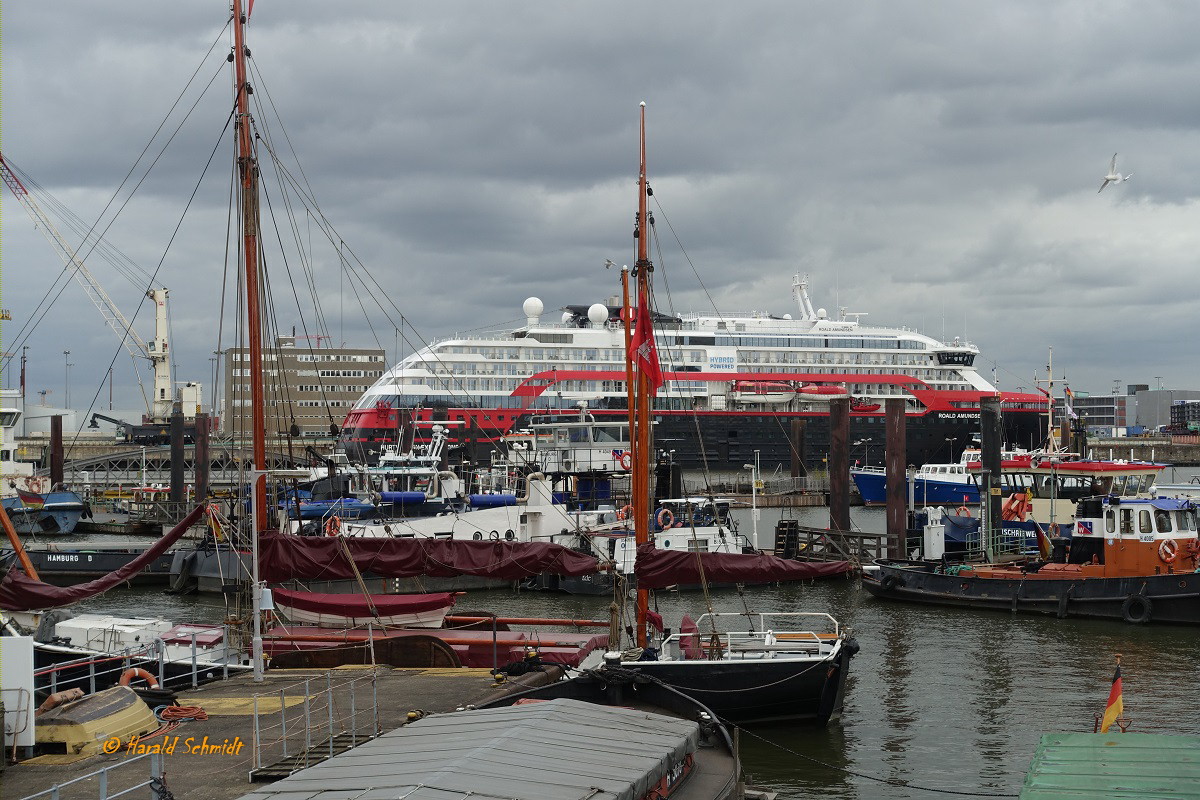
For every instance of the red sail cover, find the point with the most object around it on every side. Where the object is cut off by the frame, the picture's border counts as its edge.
(19, 592)
(657, 569)
(356, 605)
(286, 557)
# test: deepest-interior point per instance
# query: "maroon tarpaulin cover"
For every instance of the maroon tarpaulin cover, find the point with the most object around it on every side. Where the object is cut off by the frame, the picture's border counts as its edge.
(286, 557)
(356, 605)
(19, 592)
(657, 569)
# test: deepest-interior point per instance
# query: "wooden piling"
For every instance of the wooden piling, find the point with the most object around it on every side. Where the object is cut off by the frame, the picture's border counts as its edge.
(894, 459)
(56, 450)
(839, 464)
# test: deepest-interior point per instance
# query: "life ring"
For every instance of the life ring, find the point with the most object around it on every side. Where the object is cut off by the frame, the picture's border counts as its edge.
(625, 512)
(333, 525)
(665, 518)
(888, 583)
(1137, 609)
(1192, 546)
(137, 672)
(1168, 551)
(626, 461)
(962, 511)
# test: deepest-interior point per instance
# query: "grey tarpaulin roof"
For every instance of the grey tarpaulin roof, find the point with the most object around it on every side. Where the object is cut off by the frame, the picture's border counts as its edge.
(556, 750)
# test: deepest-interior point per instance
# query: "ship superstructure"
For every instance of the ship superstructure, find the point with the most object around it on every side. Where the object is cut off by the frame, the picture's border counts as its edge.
(714, 366)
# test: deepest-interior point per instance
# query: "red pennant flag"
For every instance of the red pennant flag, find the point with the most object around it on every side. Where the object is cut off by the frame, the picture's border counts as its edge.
(645, 354)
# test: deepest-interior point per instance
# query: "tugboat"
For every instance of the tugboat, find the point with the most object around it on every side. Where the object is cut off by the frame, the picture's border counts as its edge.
(1130, 558)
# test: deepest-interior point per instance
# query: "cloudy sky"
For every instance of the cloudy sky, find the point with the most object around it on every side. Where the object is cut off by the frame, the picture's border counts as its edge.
(934, 164)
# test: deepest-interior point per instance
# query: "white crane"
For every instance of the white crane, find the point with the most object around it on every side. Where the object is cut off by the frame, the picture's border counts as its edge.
(156, 351)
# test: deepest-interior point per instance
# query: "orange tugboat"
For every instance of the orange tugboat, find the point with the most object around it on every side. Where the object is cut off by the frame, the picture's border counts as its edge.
(1136, 559)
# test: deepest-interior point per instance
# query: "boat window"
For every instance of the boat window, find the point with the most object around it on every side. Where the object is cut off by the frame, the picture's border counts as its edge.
(1162, 519)
(579, 434)
(1187, 520)
(1110, 521)
(1144, 525)
(1126, 520)
(1104, 485)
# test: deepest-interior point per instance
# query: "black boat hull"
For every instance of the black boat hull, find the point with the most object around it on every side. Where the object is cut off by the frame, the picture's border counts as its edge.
(758, 691)
(1168, 598)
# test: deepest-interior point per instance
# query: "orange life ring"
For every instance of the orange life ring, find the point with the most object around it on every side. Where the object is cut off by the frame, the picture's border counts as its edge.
(625, 460)
(962, 511)
(1192, 546)
(624, 512)
(137, 672)
(333, 525)
(1168, 550)
(665, 518)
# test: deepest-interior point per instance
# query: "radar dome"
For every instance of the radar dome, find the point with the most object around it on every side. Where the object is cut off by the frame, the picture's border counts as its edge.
(533, 307)
(598, 313)
(821, 313)
(787, 316)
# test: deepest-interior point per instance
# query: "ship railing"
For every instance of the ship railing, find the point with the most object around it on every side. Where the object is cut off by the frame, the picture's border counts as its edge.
(156, 784)
(311, 720)
(101, 670)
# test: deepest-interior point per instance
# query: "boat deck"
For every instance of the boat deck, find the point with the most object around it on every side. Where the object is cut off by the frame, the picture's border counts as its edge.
(230, 706)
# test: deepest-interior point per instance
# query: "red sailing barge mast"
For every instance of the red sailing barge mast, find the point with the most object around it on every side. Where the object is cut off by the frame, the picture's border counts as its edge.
(248, 184)
(643, 375)
(248, 175)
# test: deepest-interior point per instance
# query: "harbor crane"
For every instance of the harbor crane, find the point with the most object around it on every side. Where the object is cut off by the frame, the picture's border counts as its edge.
(158, 407)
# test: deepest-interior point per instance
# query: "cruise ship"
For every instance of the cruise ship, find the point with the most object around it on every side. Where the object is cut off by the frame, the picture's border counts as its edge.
(735, 385)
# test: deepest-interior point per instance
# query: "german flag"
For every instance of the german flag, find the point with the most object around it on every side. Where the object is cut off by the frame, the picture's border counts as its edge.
(31, 499)
(1115, 705)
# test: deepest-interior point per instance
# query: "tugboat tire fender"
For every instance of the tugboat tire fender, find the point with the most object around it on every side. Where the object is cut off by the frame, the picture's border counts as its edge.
(889, 583)
(1137, 609)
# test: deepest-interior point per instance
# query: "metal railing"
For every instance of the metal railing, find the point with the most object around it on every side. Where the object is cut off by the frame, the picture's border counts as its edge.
(102, 670)
(307, 727)
(158, 789)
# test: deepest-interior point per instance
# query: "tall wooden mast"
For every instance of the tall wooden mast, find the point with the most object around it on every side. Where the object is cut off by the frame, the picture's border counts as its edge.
(248, 182)
(643, 420)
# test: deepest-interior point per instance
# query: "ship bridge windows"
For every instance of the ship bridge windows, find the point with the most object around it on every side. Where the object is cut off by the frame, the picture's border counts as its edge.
(956, 359)
(1162, 520)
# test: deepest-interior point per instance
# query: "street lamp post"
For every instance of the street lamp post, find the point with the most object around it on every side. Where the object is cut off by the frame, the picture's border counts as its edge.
(754, 479)
(67, 378)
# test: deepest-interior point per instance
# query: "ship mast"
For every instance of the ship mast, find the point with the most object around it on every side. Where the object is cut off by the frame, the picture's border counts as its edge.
(248, 185)
(248, 175)
(641, 420)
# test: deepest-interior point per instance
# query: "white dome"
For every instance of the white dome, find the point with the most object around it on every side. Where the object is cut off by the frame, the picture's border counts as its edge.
(598, 313)
(533, 307)
(787, 316)
(821, 313)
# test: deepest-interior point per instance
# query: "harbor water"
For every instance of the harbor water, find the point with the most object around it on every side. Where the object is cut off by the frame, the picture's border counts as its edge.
(938, 698)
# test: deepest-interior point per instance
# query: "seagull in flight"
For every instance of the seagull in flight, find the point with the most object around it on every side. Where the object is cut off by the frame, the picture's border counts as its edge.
(1113, 176)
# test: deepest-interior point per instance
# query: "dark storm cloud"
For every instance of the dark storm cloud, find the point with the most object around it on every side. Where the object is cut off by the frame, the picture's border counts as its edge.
(933, 164)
